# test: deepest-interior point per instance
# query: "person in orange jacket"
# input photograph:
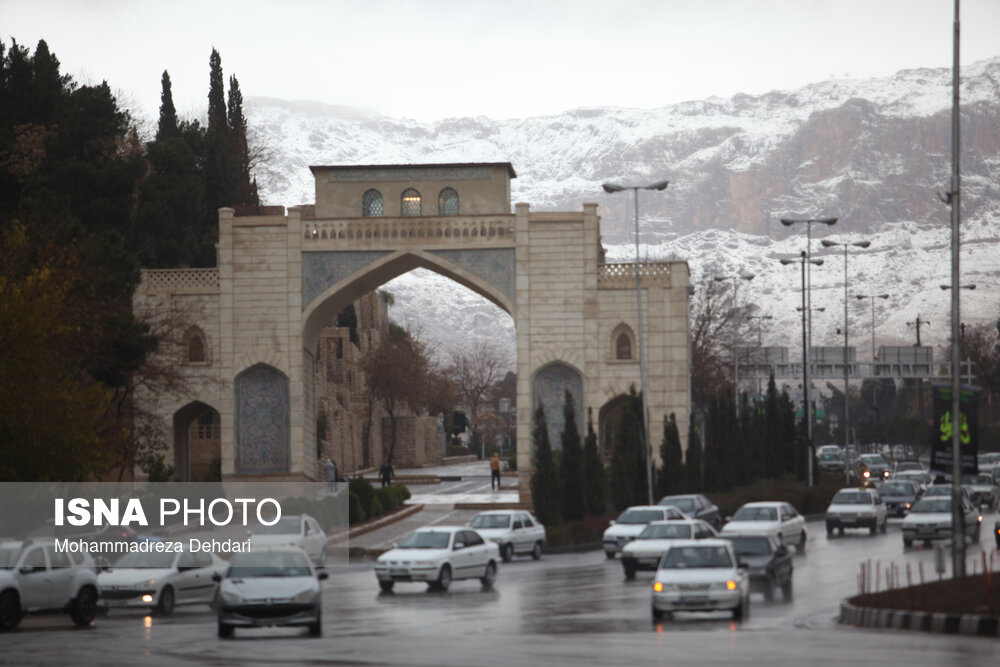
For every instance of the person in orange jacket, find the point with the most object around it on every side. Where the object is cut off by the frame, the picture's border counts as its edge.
(495, 471)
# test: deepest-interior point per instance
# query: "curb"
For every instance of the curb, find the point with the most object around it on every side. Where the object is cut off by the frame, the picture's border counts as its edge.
(925, 621)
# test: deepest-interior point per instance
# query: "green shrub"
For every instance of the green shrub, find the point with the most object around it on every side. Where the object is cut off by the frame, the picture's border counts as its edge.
(366, 493)
(376, 507)
(356, 513)
(388, 497)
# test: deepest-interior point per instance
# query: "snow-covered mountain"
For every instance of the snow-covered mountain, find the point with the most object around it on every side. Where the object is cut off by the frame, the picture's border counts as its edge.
(872, 152)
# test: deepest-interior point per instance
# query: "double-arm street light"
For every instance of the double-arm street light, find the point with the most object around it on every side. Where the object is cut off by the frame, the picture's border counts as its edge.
(736, 362)
(806, 407)
(760, 340)
(859, 297)
(847, 423)
(647, 448)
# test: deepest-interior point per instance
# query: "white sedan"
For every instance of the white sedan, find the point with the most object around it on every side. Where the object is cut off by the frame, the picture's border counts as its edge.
(515, 531)
(270, 587)
(856, 508)
(160, 580)
(646, 550)
(437, 555)
(632, 521)
(930, 519)
(771, 518)
(701, 575)
(293, 530)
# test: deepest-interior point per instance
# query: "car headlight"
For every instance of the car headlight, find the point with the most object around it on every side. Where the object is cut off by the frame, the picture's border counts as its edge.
(497, 540)
(307, 595)
(660, 587)
(867, 474)
(231, 598)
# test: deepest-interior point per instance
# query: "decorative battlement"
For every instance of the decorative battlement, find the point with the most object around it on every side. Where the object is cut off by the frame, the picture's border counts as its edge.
(622, 275)
(180, 281)
(465, 230)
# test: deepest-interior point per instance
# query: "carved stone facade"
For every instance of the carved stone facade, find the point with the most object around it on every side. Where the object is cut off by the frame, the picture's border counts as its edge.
(273, 372)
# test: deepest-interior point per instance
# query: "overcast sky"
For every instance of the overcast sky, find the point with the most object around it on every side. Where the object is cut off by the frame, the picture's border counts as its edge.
(434, 59)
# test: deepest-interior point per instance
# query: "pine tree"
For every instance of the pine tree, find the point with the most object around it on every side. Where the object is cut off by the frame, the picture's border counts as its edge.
(545, 479)
(167, 127)
(693, 470)
(571, 463)
(244, 191)
(594, 475)
(628, 466)
(216, 94)
(670, 479)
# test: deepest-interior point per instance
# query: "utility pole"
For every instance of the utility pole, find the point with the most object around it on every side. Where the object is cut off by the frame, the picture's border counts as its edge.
(920, 381)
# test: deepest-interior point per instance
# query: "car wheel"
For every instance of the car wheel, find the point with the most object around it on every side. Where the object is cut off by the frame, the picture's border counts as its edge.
(975, 533)
(840, 531)
(829, 532)
(165, 606)
(316, 629)
(741, 612)
(907, 543)
(83, 609)
(885, 525)
(490, 576)
(536, 551)
(629, 571)
(769, 590)
(386, 586)
(610, 555)
(872, 529)
(225, 630)
(801, 546)
(507, 552)
(786, 589)
(444, 578)
(10, 610)
(657, 614)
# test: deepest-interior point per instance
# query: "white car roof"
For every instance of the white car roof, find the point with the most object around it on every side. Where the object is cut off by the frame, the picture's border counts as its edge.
(441, 529)
(765, 503)
(675, 522)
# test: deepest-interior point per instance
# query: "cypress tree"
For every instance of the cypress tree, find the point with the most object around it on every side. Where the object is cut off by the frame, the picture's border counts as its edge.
(693, 472)
(571, 464)
(670, 479)
(545, 479)
(628, 467)
(594, 481)
(167, 126)
(216, 94)
(243, 191)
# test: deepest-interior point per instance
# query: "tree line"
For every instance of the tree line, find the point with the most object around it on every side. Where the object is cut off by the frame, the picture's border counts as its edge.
(84, 204)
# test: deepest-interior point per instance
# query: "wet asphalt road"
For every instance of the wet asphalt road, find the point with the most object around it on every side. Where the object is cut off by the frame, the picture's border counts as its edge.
(565, 609)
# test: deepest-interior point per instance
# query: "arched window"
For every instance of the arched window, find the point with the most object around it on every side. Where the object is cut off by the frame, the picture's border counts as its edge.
(448, 202)
(410, 203)
(195, 348)
(371, 204)
(623, 346)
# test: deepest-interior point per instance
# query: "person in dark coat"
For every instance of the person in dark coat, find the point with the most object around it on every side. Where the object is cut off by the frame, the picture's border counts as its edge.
(385, 473)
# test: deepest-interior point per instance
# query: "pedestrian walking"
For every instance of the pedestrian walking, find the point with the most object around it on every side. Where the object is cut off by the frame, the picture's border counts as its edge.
(495, 472)
(330, 474)
(385, 473)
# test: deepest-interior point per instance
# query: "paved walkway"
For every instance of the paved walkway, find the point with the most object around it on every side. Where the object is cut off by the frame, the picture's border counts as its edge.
(461, 484)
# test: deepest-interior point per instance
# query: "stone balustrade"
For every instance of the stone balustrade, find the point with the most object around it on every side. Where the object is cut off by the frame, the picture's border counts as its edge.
(464, 231)
(183, 281)
(622, 275)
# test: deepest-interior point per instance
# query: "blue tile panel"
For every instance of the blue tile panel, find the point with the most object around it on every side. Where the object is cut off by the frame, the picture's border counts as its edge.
(549, 388)
(263, 422)
(495, 266)
(321, 270)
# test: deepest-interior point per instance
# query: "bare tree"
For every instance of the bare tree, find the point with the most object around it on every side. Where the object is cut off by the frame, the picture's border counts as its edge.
(475, 372)
(717, 324)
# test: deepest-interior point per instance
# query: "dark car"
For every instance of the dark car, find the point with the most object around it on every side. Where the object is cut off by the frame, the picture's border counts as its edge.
(695, 506)
(768, 561)
(899, 495)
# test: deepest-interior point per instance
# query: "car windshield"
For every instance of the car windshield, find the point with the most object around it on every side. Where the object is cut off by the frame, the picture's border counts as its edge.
(639, 516)
(8, 557)
(151, 560)
(908, 465)
(286, 525)
(425, 539)
(756, 514)
(941, 490)
(751, 546)
(696, 557)
(683, 504)
(895, 489)
(932, 506)
(851, 498)
(673, 531)
(491, 521)
(830, 456)
(873, 458)
(269, 564)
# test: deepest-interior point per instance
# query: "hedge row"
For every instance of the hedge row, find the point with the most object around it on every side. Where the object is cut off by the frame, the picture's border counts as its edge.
(367, 502)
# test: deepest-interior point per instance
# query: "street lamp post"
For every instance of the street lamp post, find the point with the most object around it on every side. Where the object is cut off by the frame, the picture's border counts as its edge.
(736, 361)
(859, 297)
(806, 407)
(760, 338)
(847, 423)
(647, 448)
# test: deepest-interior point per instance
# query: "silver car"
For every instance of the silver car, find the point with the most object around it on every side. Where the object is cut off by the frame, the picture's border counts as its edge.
(265, 588)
